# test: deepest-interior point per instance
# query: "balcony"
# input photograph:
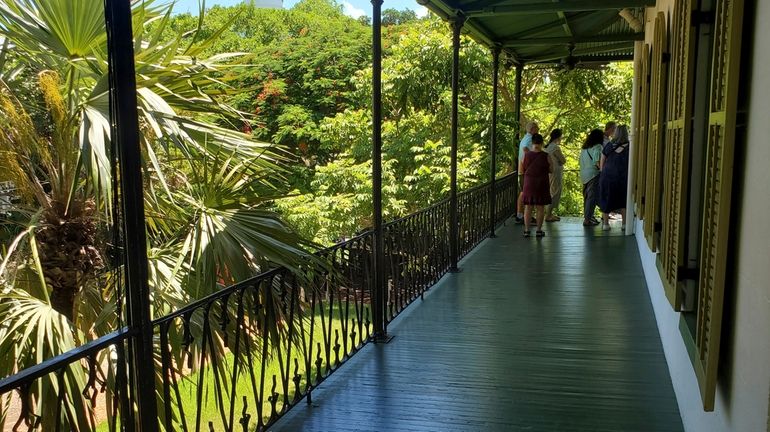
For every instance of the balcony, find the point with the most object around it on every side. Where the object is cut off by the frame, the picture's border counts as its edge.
(553, 334)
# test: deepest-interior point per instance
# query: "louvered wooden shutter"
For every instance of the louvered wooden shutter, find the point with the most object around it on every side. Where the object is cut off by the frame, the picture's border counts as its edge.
(677, 149)
(658, 78)
(640, 155)
(720, 146)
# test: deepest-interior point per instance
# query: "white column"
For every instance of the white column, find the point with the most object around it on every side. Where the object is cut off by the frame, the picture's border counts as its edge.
(630, 209)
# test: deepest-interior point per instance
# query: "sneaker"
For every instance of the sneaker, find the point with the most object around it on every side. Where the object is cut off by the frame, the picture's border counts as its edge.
(539, 233)
(605, 227)
(526, 234)
(519, 220)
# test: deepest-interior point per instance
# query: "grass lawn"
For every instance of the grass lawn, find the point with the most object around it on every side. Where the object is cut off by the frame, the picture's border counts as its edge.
(209, 406)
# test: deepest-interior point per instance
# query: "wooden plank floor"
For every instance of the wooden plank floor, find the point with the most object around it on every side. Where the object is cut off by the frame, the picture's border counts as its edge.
(552, 334)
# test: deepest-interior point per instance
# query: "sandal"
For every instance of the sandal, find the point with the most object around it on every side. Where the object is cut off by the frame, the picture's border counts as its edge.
(539, 233)
(526, 234)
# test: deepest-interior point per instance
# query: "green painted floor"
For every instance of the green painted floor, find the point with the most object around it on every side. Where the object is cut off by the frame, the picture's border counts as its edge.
(552, 334)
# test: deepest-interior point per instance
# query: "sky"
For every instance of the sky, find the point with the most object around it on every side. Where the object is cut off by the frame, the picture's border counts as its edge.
(354, 8)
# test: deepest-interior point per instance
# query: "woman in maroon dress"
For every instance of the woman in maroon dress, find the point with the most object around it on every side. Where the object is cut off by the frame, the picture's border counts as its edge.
(537, 187)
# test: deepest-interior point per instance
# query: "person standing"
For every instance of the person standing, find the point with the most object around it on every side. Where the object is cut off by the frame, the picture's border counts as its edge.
(590, 157)
(553, 148)
(537, 191)
(525, 145)
(609, 132)
(613, 180)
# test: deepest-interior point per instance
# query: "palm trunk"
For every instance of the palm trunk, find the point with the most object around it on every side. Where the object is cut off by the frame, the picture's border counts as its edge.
(69, 253)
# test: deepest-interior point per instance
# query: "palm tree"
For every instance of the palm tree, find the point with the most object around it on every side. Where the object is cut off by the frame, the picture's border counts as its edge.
(206, 183)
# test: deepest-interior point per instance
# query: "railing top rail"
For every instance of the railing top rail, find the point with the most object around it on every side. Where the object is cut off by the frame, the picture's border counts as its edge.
(53, 364)
(217, 295)
(446, 200)
(418, 212)
(366, 232)
(229, 290)
(483, 185)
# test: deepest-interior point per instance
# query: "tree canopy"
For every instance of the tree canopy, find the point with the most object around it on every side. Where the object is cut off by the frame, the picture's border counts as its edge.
(316, 103)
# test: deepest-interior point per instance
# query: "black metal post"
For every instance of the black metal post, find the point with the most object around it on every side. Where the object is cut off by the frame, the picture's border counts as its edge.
(454, 238)
(379, 291)
(493, 145)
(125, 131)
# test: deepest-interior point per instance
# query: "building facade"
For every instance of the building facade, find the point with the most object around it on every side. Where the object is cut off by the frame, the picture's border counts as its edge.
(700, 192)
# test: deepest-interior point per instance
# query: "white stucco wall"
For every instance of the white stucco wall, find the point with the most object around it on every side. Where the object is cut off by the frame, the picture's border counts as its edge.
(751, 352)
(744, 387)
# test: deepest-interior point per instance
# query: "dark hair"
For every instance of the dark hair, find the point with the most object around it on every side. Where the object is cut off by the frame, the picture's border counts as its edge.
(596, 136)
(555, 134)
(537, 139)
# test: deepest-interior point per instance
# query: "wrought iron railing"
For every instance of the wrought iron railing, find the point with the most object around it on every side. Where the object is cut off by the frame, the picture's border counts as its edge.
(87, 379)
(241, 357)
(474, 209)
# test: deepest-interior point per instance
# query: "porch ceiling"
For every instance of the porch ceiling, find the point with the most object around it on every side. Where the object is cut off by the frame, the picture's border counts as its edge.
(551, 31)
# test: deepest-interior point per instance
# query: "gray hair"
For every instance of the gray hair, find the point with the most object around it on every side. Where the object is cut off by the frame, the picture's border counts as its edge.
(530, 124)
(621, 134)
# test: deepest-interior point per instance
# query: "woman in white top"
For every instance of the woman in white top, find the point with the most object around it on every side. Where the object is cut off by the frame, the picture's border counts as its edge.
(553, 148)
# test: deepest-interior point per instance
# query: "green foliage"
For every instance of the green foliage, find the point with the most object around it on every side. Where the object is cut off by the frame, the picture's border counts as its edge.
(415, 134)
(287, 83)
(341, 203)
(392, 16)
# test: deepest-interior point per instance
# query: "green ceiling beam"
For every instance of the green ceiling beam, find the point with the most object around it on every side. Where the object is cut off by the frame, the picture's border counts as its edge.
(560, 53)
(565, 24)
(605, 58)
(611, 19)
(573, 40)
(583, 59)
(578, 17)
(563, 6)
(621, 46)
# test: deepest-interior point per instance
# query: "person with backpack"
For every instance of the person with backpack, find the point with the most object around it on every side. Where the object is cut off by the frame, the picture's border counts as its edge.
(613, 180)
